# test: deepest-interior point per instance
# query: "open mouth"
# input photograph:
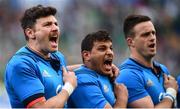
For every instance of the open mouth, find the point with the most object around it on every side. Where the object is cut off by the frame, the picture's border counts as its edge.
(151, 46)
(108, 64)
(53, 40)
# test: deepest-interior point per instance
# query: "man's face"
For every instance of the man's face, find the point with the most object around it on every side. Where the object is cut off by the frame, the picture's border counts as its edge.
(46, 33)
(144, 41)
(101, 57)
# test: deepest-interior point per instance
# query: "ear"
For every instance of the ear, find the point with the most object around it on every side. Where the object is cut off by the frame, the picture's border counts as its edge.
(29, 33)
(130, 41)
(86, 55)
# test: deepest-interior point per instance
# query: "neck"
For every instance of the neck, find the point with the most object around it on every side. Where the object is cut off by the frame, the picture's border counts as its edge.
(144, 61)
(44, 55)
(88, 65)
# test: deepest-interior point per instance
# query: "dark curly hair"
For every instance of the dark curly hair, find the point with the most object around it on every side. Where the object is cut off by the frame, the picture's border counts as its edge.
(131, 21)
(30, 16)
(88, 41)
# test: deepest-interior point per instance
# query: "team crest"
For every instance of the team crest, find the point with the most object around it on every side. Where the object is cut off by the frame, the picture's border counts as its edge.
(149, 82)
(46, 74)
(106, 89)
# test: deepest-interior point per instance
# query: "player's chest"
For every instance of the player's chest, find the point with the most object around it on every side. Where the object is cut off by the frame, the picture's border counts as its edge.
(154, 85)
(107, 89)
(48, 76)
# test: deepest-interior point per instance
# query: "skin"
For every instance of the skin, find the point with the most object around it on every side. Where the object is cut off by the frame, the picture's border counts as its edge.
(143, 48)
(40, 42)
(94, 60)
(39, 37)
(145, 36)
(96, 57)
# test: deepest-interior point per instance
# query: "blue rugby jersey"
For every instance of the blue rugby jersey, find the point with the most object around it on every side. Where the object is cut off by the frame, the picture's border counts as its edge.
(141, 81)
(178, 95)
(93, 90)
(28, 76)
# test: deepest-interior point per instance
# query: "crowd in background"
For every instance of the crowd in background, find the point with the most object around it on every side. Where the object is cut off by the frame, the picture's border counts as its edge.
(79, 17)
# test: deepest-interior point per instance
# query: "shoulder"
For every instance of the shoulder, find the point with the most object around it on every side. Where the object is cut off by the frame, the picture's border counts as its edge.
(21, 60)
(19, 67)
(129, 64)
(129, 68)
(86, 76)
(23, 55)
(131, 71)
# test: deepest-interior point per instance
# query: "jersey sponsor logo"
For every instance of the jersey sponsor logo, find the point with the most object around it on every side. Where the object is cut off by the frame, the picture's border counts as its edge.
(149, 83)
(105, 87)
(58, 89)
(46, 74)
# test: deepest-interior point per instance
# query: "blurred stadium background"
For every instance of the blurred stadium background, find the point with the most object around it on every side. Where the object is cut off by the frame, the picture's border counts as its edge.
(79, 17)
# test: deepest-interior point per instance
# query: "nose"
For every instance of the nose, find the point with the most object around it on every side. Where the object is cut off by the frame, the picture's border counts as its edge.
(55, 28)
(153, 37)
(110, 52)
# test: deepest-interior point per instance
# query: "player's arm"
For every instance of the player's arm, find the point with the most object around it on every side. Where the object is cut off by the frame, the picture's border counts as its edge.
(121, 94)
(137, 94)
(147, 102)
(120, 91)
(59, 100)
(54, 102)
(171, 87)
(89, 95)
(168, 100)
(72, 67)
(142, 102)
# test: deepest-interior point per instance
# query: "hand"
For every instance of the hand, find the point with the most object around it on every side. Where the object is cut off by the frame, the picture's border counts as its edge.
(115, 72)
(121, 94)
(69, 77)
(170, 81)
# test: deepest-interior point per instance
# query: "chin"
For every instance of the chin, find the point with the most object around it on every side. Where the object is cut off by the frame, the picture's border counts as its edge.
(151, 55)
(52, 51)
(107, 73)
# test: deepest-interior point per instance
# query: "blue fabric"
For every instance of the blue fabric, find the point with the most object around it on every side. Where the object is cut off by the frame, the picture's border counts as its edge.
(93, 90)
(178, 95)
(141, 81)
(28, 74)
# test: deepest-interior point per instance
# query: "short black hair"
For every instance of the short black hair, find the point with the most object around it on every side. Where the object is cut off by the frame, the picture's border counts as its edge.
(132, 20)
(30, 16)
(88, 41)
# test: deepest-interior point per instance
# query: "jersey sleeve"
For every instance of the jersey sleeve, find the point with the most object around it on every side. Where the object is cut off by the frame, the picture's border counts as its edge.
(134, 82)
(25, 81)
(87, 96)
